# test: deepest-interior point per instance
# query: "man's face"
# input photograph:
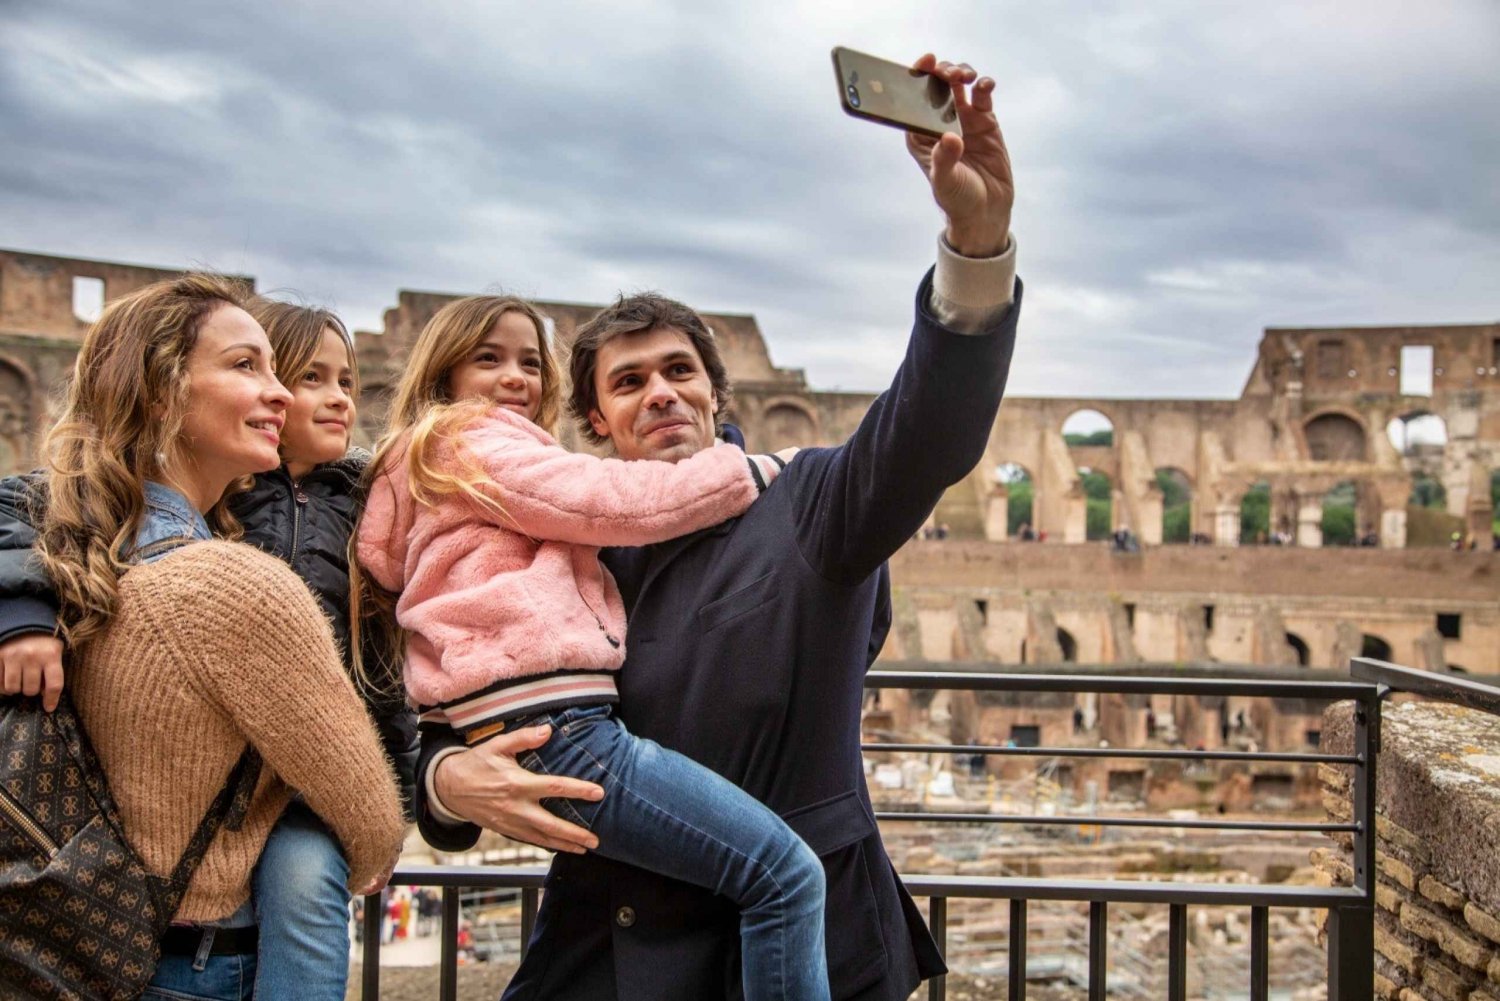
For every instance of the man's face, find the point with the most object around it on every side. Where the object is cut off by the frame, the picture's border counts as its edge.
(655, 397)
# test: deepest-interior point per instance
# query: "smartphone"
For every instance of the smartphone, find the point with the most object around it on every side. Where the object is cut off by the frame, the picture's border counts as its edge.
(879, 90)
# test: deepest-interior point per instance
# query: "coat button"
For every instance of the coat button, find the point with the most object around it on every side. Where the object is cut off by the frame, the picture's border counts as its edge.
(625, 917)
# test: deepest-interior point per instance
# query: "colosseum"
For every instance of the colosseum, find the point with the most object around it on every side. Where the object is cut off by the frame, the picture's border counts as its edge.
(1343, 504)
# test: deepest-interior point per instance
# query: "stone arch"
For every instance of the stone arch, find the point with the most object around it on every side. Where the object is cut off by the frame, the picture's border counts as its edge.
(1020, 494)
(1419, 434)
(1177, 504)
(1068, 645)
(1090, 422)
(1374, 647)
(1341, 524)
(786, 421)
(18, 415)
(1256, 527)
(1336, 436)
(1102, 510)
(1299, 647)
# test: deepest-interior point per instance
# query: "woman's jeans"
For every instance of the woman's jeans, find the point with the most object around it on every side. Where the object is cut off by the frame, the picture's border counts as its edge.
(222, 978)
(301, 896)
(670, 815)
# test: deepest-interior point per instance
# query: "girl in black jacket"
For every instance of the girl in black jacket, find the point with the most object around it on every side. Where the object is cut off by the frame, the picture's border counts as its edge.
(302, 513)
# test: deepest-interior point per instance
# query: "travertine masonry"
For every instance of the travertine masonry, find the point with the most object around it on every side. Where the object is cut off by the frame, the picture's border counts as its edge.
(1437, 934)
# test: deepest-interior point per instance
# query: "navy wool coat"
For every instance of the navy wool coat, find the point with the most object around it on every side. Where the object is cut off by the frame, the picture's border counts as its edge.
(747, 650)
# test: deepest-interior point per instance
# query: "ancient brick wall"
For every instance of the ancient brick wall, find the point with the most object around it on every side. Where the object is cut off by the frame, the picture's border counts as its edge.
(1437, 916)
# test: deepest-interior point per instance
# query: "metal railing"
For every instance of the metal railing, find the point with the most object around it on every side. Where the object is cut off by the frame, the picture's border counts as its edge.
(1351, 909)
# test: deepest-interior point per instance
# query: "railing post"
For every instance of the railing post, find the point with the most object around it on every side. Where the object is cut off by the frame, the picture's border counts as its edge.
(528, 919)
(1098, 950)
(1351, 930)
(370, 966)
(448, 967)
(937, 921)
(1018, 949)
(1260, 957)
(1177, 952)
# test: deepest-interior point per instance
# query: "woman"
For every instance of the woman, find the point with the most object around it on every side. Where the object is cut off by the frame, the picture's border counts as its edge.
(179, 658)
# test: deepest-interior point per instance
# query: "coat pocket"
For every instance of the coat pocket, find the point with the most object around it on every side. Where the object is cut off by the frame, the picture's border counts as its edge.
(739, 602)
(837, 831)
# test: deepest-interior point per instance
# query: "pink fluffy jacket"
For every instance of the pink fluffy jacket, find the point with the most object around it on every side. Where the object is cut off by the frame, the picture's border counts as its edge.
(487, 597)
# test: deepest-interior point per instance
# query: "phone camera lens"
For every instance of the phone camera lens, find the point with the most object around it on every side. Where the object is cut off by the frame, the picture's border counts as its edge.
(853, 93)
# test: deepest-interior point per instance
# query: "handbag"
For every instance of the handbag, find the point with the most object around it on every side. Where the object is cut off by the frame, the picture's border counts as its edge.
(81, 915)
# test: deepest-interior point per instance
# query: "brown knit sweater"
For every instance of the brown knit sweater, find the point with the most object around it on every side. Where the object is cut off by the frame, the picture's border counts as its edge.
(215, 645)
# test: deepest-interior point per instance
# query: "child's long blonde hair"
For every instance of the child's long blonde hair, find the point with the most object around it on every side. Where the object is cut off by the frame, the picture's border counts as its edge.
(424, 415)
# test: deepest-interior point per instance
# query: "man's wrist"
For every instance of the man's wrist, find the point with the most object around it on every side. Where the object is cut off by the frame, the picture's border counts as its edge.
(979, 241)
(435, 803)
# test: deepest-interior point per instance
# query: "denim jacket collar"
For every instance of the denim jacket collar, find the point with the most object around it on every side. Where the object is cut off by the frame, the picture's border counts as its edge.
(168, 515)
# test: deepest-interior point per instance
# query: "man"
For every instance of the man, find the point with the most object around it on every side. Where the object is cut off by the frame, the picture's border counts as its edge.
(749, 642)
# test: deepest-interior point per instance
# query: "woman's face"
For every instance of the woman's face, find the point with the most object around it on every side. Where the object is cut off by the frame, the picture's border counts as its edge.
(505, 368)
(322, 410)
(235, 408)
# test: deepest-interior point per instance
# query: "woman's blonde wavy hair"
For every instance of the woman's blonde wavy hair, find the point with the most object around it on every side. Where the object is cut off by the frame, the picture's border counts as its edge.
(423, 416)
(121, 426)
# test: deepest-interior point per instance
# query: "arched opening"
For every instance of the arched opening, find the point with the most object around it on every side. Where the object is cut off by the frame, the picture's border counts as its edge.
(1021, 491)
(1088, 427)
(1374, 647)
(1339, 514)
(1068, 645)
(785, 425)
(1429, 492)
(1176, 505)
(1099, 492)
(1255, 515)
(1418, 435)
(1335, 438)
(1299, 647)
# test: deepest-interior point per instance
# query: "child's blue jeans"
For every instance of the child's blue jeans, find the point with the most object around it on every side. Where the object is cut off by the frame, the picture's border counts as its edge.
(666, 813)
(301, 896)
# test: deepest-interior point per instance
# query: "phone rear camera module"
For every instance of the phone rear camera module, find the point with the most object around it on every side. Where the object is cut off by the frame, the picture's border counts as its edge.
(853, 93)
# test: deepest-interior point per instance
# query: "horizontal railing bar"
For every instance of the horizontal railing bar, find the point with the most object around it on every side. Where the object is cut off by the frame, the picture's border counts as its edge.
(986, 887)
(1447, 687)
(1123, 891)
(1070, 820)
(1116, 752)
(1331, 691)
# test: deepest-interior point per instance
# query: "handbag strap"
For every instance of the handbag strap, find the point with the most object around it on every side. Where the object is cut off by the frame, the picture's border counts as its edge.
(227, 810)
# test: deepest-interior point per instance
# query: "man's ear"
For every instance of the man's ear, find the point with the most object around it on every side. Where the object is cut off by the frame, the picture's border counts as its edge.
(596, 421)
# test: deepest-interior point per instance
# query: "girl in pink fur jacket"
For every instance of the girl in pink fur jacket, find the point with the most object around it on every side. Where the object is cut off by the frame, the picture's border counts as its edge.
(489, 531)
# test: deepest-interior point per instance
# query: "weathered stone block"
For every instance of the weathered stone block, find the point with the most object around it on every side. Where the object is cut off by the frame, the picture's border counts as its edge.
(1332, 863)
(1482, 921)
(1439, 892)
(1494, 970)
(1447, 982)
(1390, 831)
(1388, 896)
(1396, 869)
(1484, 994)
(1395, 947)
(1457, 942)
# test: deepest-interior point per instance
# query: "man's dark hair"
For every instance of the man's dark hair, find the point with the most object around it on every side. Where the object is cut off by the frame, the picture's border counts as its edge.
(638, 314)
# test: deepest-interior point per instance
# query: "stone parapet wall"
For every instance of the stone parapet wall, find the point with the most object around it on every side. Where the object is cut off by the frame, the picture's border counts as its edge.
(1437, 894)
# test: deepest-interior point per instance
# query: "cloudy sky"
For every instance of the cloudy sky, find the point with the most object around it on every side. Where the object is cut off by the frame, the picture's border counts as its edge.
(1188, 173)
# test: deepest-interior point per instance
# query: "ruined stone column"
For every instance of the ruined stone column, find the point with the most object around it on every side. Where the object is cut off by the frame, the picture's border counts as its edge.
(1227, 524)
(997, 514)
(1310, 520)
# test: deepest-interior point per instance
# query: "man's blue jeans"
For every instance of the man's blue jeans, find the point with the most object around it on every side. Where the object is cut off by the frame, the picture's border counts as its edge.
(666, 813)
(301, 896)
(223, 978)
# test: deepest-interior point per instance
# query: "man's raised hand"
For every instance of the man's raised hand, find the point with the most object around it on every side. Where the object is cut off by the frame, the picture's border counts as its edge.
(970, 177)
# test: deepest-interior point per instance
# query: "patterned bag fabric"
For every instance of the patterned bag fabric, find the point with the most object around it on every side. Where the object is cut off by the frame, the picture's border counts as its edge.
(80, 914)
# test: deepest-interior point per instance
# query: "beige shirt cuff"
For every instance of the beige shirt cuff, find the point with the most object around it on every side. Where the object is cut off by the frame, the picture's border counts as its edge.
(970, 293)
(434, 804)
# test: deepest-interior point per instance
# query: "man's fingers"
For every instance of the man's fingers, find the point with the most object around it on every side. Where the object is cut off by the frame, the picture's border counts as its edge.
(515, 742)
(31, 678)
(561, 836)
(945, 156)
(10, 677)
(982, 95)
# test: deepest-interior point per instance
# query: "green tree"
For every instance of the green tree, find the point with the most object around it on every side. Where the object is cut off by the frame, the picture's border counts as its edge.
(1428, 492)
(1255, 513)
(1096, 486)
(1018, 511)
(1176, 523)
(1092, 438)
(1098, 526)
